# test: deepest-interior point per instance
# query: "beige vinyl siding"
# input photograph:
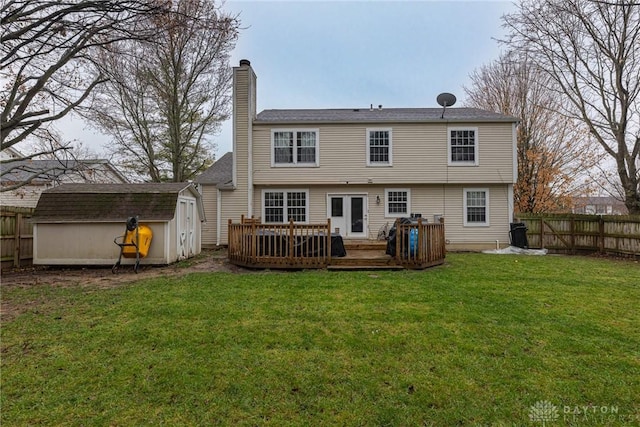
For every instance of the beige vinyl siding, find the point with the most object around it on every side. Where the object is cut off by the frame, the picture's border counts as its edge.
(210, 203)
(241, 127)
(428, 200)
(495, 156)
(419, 156)
(92, 244)
(24, 197)
(476, 237)
(233, 205)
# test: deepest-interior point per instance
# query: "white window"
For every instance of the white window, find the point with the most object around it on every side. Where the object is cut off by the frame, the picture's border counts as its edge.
(294, 147)
(279, 206)
(463, 146)
(379, 147)
(397, 202)
(476, 207)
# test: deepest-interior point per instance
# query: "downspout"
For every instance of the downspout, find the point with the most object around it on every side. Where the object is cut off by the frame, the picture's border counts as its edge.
(218, 215)
(514, 138)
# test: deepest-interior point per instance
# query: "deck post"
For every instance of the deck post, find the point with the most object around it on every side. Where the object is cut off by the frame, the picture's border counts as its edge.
(398, 235)
(254, 242)
(328, 243)
(420, 255)
(291, 241)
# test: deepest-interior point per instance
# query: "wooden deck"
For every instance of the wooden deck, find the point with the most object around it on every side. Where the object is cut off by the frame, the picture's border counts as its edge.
(301, 246)
(365, 255)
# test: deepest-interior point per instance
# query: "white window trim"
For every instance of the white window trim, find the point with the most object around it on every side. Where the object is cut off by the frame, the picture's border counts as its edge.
(387, 214)
(368, 157)
(476, 162)
(295, 164)
(487, 223)
(284, 217)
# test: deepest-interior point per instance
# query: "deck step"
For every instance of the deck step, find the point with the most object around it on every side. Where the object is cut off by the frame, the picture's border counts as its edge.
(363, 267)
(365, 245)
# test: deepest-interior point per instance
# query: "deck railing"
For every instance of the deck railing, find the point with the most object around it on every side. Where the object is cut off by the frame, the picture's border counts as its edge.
(252, 244)
(297, 246)
(420, 244)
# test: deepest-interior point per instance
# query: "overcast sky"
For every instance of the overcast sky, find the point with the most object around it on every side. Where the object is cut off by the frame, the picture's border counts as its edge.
(347, 54)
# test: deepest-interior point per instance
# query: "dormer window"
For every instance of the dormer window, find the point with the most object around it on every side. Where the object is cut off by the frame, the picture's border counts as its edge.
(294, 147)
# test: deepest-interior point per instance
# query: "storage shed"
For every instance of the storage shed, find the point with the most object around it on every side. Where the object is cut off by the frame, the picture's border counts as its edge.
(75, 224)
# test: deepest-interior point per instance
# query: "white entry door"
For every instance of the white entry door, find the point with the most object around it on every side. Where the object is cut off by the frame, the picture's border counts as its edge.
(349, 213)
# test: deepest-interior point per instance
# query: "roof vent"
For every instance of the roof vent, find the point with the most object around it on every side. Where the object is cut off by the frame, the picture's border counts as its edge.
(380, 107)
(245, 62)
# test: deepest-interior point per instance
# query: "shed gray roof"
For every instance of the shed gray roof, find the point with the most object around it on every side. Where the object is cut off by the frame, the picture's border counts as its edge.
(219, 173)
(385, 115)
(109, 202)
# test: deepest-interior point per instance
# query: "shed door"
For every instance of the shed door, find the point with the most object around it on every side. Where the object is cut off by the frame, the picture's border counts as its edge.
(186, 229)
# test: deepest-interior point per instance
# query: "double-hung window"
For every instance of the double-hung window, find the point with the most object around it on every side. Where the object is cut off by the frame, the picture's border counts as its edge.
(476, 207)
(463, 146)
(294, 147)
(379, 147)
(397, 202)
(280, 206)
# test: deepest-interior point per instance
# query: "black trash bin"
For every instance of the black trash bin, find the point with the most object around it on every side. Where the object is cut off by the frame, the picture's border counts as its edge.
(518, 235)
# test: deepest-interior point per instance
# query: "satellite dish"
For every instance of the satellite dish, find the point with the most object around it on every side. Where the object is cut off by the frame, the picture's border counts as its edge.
(445, 100)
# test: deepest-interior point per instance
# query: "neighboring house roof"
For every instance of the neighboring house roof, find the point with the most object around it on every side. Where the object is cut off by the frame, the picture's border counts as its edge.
(10, 153)
(600, 203)
(384, 115)
(219, 173)
(23, 170)
(111, 202)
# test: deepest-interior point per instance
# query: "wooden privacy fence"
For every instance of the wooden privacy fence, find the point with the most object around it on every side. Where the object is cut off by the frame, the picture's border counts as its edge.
(16, 236)
(573, 233)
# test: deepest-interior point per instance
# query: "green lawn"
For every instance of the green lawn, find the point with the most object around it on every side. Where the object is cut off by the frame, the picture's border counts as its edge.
(477, 341)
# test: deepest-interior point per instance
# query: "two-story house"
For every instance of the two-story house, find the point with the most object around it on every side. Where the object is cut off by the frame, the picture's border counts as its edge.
(363, 168)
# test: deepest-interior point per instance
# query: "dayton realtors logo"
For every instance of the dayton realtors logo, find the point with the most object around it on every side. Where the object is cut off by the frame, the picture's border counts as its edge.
(543, 412)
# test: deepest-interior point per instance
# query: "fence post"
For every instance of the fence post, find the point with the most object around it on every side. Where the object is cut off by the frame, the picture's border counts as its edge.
(17, 239)
(542, 232)
(601, 235)
(572, 231)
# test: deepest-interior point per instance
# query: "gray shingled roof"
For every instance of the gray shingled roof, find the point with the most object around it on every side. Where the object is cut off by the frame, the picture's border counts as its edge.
(48, 170)
(108, 202)
(221, 172)
(385, 115)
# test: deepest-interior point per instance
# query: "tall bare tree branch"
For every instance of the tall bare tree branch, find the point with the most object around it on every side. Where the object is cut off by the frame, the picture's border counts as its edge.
(165, 100)
(591, 51)
(46, 59)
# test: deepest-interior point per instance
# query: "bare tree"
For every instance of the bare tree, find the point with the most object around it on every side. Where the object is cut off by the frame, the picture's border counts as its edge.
(553, 150)
(45, 61)
(165, 100)
(591, 51)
